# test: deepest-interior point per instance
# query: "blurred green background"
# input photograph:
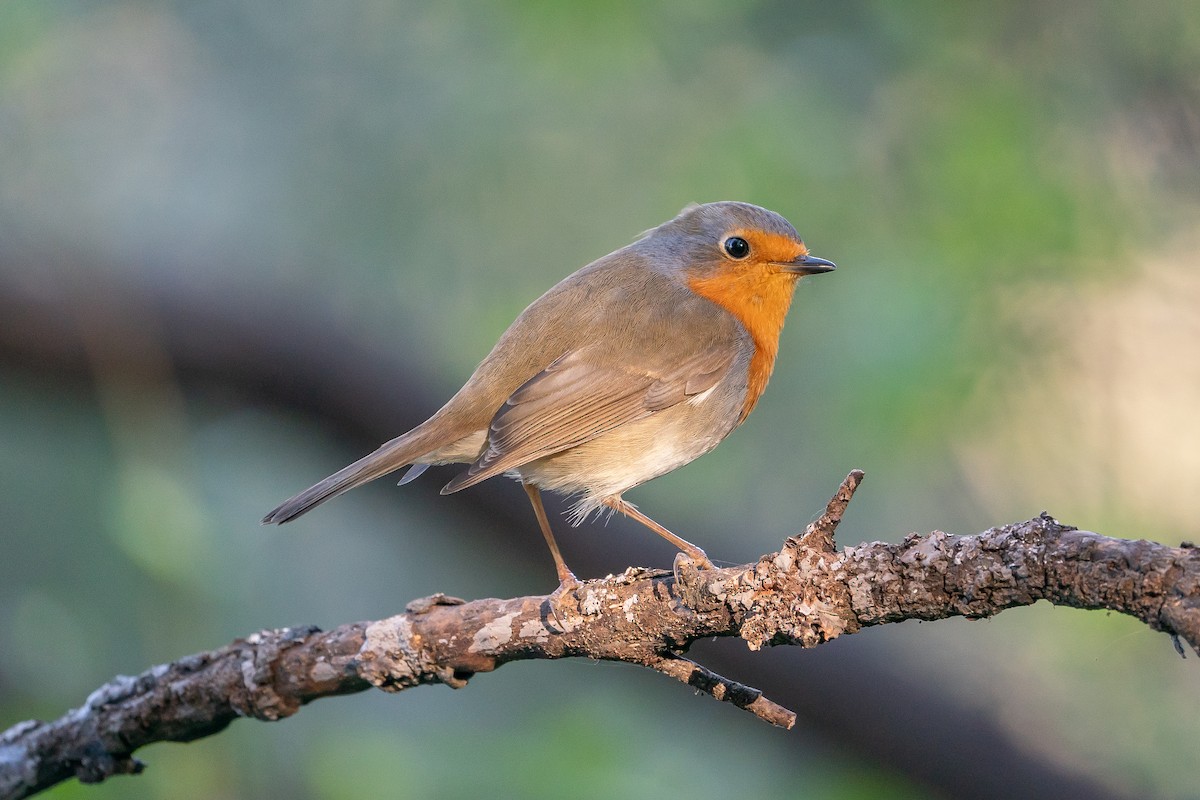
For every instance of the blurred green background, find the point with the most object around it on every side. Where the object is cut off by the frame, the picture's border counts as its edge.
(1011, 192)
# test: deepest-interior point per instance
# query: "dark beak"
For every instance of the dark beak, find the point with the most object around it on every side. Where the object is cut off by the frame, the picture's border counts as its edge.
(809, 265)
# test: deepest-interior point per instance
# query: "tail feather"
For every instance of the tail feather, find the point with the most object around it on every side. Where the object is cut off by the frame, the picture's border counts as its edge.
(399, 452)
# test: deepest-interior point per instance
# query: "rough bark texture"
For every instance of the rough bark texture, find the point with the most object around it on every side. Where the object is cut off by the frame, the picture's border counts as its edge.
(805, 594)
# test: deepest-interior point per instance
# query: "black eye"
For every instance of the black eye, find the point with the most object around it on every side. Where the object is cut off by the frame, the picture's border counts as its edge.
(737, 247)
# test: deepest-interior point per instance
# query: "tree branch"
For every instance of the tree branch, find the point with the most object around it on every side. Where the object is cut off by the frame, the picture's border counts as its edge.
(805, 594)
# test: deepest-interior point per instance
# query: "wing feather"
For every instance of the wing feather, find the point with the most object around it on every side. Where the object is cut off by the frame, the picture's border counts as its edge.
(575, 399)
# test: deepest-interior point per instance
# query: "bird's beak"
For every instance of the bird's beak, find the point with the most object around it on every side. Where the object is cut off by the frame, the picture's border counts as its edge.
(808, 265)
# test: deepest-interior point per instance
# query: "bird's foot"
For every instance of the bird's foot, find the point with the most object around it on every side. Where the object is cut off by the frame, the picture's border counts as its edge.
(696, 556)
(562, 601)
(688, 563)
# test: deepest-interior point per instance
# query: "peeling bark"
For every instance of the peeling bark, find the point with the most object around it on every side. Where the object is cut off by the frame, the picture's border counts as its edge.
(805, 594)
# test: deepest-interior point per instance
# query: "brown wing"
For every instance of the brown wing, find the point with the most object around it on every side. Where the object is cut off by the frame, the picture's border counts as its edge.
(575, 400)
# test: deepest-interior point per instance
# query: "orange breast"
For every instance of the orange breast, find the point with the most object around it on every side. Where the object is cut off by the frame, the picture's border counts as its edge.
(759, 297)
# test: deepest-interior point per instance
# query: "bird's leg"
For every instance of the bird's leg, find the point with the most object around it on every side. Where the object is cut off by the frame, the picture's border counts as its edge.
(689, 549)
(566, 578)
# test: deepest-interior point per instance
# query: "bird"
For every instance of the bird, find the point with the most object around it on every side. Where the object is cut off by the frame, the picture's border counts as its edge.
(629, 368)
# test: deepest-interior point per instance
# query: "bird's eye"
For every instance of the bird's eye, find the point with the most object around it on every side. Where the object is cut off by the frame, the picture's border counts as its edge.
(737, 247)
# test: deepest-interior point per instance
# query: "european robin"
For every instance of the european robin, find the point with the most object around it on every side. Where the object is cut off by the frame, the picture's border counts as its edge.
(625, 370)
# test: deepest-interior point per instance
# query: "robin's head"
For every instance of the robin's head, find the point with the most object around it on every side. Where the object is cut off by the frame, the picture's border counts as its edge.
(733, 241)
(744, 259)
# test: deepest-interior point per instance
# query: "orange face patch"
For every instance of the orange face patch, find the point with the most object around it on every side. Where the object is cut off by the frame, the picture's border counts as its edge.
(766, 246)
(758, 294)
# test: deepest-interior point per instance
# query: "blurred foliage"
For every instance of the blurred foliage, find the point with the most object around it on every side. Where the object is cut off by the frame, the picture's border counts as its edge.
(1011, 194)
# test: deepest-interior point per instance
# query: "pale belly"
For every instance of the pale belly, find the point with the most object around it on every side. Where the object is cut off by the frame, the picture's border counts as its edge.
(635, 452)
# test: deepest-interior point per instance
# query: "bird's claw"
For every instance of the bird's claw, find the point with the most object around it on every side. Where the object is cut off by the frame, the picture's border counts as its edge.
(562, 600)
(690, 563)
